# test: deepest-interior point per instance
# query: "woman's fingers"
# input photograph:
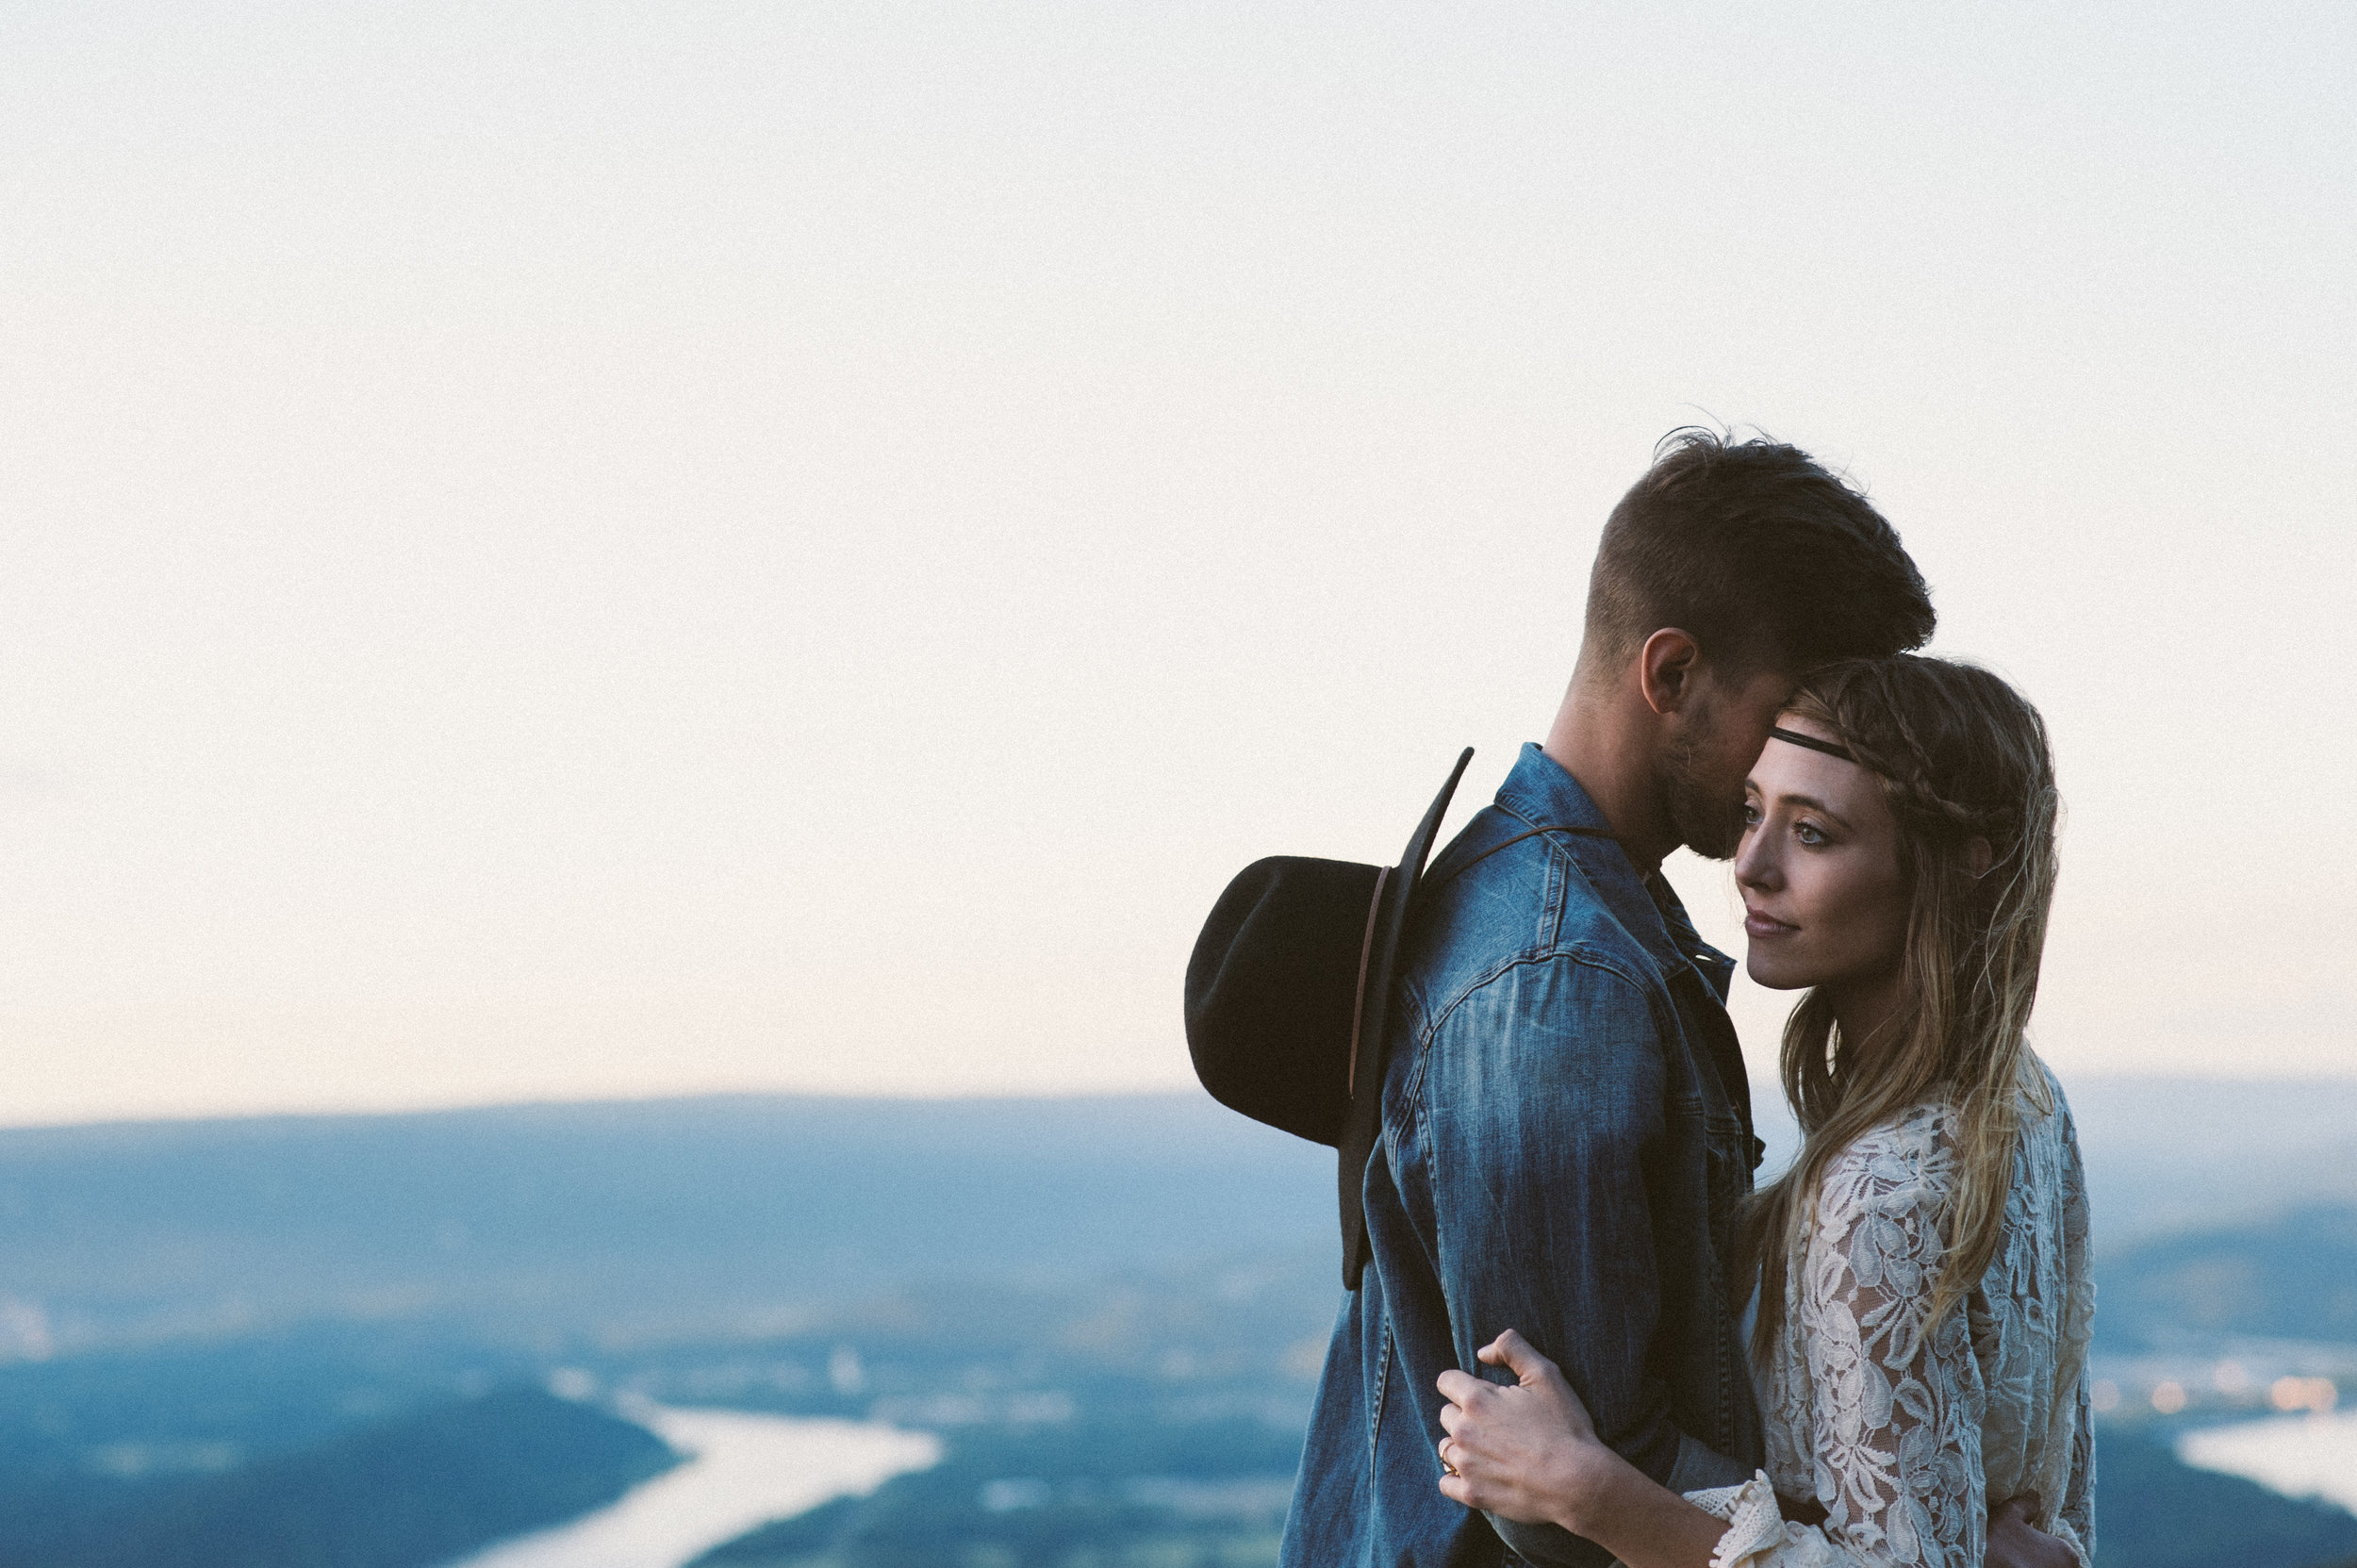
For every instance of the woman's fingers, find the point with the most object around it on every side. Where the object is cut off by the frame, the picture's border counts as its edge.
(1485, 1462)
(1455, 1479)
(1520, 1357)
(1499, 1434)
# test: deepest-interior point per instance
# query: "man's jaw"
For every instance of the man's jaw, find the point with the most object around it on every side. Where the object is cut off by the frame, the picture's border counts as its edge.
(1713, 834)
(1704, 821)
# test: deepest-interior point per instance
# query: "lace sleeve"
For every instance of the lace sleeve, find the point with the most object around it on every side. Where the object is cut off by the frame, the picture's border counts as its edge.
(2076, 1521)
(1896, 1411)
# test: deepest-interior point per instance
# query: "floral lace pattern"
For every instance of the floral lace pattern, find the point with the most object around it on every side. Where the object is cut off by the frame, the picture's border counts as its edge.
(1905, 1436)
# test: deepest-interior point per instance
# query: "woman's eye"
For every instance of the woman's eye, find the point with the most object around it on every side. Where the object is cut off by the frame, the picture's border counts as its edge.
(1751, 814)
(1807, 834)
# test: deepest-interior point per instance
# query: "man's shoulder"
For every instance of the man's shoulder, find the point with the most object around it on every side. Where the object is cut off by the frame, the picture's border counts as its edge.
(1507, 893)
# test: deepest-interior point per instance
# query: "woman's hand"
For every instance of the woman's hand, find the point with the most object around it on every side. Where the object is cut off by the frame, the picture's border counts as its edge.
(2015, 1542)
(1525, 1450)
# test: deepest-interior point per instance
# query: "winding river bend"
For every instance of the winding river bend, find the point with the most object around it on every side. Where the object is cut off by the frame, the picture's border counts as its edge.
(2302, 1456)
(742, 1470)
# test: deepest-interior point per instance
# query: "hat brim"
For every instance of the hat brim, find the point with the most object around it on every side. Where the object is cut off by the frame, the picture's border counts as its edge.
(1370, 1057)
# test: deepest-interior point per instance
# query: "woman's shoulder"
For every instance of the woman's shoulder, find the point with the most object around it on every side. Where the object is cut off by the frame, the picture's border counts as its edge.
(1922, 1134)
(1910, 1158)
(2043, 1102)
(1900, 1162)
(2048, 1153)
(1912, 1135)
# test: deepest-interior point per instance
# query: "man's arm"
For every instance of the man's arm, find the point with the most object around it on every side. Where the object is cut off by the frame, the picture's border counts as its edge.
(1543, 1113)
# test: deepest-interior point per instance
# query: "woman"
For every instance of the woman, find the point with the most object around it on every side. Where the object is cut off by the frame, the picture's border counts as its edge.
(1924, 1304)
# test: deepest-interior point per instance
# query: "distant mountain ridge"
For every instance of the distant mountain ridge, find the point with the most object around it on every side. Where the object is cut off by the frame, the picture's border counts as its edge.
(2292, 1275)
(579, 1215)
(2169, 1154)
(705, 1210)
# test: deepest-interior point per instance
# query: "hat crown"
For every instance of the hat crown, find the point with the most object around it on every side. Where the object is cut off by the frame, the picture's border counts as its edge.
(1272, 988)
(1288, 993)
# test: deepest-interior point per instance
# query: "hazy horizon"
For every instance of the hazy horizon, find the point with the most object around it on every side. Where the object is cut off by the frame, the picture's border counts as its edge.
(1767, 1101)
(587, 552)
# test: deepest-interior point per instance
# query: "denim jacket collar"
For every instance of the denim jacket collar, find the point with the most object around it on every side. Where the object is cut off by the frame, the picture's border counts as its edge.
(1543, 793)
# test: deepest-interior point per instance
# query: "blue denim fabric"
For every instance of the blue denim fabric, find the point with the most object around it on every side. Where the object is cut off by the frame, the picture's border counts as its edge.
(1566, 1135)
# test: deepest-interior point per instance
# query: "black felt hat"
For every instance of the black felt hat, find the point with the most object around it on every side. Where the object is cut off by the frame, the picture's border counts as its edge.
(1287, 994)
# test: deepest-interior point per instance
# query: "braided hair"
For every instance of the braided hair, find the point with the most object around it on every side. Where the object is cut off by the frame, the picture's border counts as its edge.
(1964, 765)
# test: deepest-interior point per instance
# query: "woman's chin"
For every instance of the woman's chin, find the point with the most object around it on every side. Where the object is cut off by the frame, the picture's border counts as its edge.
(1768, 975)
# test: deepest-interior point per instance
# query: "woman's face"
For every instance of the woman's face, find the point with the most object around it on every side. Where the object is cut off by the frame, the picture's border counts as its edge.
(1825, 902)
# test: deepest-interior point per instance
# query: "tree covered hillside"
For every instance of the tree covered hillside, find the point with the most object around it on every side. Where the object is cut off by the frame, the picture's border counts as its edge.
(408, 1493)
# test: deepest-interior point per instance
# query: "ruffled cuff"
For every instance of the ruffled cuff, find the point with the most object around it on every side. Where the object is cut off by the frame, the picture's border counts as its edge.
(1755, 1533)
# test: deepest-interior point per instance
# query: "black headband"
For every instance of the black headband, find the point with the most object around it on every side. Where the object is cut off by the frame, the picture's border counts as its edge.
(1794, 737)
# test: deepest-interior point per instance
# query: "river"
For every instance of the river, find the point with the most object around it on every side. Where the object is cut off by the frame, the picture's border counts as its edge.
(742, 1470)
(2298, 1455)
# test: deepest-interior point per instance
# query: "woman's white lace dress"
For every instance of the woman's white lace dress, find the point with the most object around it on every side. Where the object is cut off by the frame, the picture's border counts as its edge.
(1904, 1438)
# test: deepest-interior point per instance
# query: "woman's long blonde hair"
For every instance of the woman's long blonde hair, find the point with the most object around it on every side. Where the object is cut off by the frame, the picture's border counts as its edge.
(1961, 756)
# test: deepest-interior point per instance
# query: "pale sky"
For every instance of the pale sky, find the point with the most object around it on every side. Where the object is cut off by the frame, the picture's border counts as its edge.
(556, 550)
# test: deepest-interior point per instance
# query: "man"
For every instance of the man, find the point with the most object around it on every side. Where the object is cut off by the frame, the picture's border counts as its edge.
(1566, 1128)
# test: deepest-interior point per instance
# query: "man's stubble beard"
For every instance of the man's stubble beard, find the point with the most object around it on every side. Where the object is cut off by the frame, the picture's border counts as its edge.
(1707, 821)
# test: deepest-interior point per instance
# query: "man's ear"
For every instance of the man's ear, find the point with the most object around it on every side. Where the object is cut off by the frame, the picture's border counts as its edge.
(1666, 667)
(1977, 855)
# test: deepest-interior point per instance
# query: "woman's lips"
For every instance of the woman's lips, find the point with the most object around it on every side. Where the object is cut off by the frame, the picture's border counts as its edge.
(1757, 925)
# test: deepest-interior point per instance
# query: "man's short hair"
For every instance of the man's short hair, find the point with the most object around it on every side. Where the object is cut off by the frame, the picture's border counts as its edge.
(1767, 559)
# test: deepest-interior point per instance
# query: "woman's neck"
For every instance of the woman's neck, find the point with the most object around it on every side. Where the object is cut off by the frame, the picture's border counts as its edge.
(1865, 1013)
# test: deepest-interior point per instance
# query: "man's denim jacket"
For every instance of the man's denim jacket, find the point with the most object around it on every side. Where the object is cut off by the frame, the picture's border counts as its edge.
(1566, 1135)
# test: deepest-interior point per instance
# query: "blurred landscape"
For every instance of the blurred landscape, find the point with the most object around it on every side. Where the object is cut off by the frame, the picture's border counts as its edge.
(401, 1340)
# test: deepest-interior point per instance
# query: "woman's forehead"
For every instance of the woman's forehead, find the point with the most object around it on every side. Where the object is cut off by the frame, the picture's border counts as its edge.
(1816, 729)
(1785, 768)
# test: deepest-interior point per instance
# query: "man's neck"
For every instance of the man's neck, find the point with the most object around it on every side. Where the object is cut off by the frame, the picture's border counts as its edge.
(1597, 742)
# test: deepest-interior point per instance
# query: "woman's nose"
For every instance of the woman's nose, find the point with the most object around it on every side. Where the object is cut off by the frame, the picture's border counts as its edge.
(1754, 866)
